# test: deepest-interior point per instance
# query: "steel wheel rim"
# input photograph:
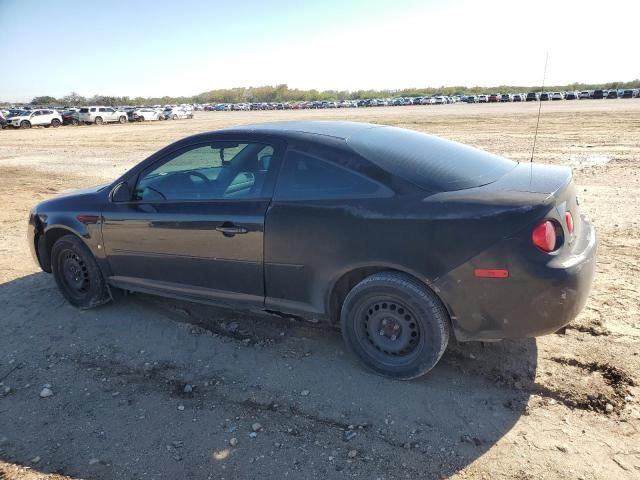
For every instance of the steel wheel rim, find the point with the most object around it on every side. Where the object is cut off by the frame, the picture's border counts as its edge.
(74, 273)
(388, 330)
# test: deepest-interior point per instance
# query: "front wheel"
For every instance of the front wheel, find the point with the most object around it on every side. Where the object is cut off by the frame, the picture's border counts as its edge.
(396, 325)
(77, 274)
(25, 124)
(99, 121)
(122, 119)
(55, 123)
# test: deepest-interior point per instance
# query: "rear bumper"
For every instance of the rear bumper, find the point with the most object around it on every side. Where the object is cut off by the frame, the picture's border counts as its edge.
(536, 299)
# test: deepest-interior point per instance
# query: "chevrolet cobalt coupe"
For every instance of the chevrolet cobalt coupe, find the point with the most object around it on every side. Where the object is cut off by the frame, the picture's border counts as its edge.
(400, 238)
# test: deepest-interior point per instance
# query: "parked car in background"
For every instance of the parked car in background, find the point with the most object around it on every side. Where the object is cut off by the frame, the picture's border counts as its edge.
(493, 98)
(35, 118)
(101, 114)
(471, 99)
(146, 114)
(518, 97)
(70, 117)
(612, 94)
(483, 98)
(571, 95)
(557, 96)
(598, 94)
(627, 93)
(175, 113)
(506, 97)
(545, 96)
(584, 94)
(533, 97)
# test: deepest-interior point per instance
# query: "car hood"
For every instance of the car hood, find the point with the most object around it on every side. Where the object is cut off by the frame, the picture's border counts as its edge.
(72, 198)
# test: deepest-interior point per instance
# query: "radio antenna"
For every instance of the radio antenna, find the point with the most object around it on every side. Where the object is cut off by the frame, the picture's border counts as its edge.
(544, 77)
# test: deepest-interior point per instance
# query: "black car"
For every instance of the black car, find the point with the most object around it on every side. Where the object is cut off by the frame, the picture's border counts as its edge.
(398, 237)
(533, 97)
(544, 97)
(612, 94)
(70, 117)
(598, 94)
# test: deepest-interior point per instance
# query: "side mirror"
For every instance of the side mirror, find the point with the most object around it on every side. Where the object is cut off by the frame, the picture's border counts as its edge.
(121, 193)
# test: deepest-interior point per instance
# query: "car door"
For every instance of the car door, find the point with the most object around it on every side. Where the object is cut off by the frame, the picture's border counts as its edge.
(194, 225)
(109, 115)
(36, 118)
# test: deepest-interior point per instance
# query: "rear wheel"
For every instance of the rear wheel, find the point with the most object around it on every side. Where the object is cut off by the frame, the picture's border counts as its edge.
(99, 121)
(55, 123)
(175, 117)
(25, 124)
(395, 325)
(122, 119)
(77, 274)
(75, 122)
(141, 118)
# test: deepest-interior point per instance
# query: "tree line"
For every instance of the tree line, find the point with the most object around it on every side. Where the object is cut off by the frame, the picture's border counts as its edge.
(282, 93)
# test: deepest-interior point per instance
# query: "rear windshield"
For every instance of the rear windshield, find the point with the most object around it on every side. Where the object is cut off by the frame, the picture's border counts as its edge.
(429, 162)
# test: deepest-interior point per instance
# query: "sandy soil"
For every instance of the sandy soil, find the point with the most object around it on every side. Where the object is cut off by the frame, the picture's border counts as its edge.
(561, 406)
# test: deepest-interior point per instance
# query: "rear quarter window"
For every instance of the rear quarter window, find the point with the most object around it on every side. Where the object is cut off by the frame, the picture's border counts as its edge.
(431, 163)
(305, 176)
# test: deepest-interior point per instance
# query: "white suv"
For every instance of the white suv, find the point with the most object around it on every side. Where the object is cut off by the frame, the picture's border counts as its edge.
(35, 118)
(100, 115)
(174, 113)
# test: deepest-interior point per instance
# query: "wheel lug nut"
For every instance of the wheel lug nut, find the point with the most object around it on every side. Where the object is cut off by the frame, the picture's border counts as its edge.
(381, 332)
(393, 337)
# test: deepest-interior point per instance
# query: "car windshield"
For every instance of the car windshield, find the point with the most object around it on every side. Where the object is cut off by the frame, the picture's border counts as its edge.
(429, 162)
(20, 113)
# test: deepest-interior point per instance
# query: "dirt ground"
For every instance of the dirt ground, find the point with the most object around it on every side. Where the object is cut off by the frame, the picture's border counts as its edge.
(561, 406)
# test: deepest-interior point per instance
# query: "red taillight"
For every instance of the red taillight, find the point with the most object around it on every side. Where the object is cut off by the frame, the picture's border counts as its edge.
(544, 236)
(568, 220)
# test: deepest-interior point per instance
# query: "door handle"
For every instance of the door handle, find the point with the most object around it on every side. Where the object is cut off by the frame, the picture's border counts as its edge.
(228, 229)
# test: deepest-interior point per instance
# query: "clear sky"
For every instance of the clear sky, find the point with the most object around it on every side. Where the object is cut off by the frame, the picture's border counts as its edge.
(185, 47)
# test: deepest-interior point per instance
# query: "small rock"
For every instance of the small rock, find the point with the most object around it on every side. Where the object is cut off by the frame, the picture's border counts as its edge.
(6, 390)
(348, 435)
(472, 356)
(93, 461)
(46, 392)
(304, 393)
(352, 453)
(187, 388)
(181, 407)
(35, 459)
(608, 408)
(233, 326)
(256, 427)
(233, 442)
(253, 435)
(177, 443)
(562, 448)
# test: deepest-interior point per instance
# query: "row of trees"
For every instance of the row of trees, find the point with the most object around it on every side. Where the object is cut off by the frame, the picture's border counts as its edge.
(282, 93)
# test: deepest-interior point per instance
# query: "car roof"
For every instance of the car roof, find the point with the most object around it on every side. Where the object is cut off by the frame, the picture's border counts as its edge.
(340, 130)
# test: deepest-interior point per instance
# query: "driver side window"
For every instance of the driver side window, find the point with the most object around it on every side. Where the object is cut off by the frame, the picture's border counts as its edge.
(212, 171)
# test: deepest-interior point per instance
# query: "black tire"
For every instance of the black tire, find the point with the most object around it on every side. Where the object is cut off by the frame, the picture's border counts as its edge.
(77, 274)
(55, 123)
(175, 117)
(25, 124)
(75, 122)
(396, 325)
(99, 121)
(122, 119)
(141, 119)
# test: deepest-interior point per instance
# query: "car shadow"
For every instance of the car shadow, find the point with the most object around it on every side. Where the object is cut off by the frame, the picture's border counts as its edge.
(156, 387)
